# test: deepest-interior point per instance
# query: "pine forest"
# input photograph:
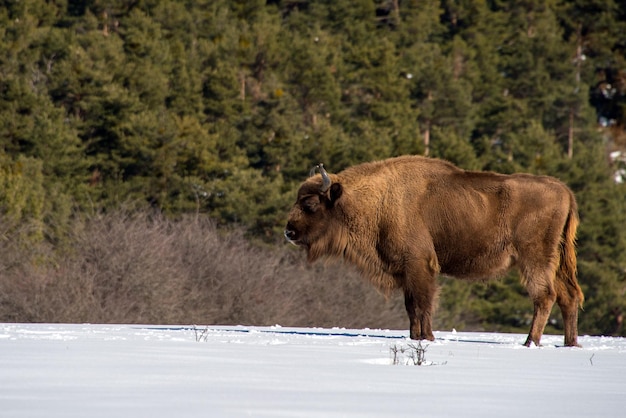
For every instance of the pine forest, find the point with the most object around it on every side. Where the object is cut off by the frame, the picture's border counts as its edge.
(151, 149)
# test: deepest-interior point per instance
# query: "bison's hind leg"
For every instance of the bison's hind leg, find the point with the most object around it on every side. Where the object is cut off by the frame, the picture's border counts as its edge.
(569, 299)
(540, 287)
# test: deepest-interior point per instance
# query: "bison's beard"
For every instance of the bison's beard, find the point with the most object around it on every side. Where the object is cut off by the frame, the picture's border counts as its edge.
(300, 244)
(338, 244)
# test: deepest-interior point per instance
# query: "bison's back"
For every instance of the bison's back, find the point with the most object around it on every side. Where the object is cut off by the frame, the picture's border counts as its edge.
(479, 224)
(482, 223)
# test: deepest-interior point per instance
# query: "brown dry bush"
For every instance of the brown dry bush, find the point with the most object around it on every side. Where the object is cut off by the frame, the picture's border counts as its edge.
(143, 268)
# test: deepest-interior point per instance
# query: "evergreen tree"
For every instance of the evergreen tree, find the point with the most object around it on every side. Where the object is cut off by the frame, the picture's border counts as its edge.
(601, 241)
(22, 199)
(595, 29)
(222, 107)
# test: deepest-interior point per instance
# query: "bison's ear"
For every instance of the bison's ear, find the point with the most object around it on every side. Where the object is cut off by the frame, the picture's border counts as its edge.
(336, 190)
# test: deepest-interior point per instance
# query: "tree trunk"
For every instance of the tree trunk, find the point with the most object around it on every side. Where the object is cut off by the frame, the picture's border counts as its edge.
(427, 139)
(570, 135)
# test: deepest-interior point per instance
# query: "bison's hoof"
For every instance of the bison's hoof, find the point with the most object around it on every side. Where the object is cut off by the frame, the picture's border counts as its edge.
(423, 337)
(529, 342)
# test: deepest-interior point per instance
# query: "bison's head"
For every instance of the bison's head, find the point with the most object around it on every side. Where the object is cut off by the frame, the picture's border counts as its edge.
(312, 213)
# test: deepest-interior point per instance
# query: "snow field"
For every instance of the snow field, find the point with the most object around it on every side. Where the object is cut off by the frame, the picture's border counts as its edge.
(58, 370)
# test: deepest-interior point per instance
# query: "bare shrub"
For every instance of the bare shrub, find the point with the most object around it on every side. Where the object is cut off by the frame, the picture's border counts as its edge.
(143, 268)
(411, 354)
(21, 263)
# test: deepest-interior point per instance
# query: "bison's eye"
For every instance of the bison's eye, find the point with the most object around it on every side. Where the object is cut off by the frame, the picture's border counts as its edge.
(310, 204)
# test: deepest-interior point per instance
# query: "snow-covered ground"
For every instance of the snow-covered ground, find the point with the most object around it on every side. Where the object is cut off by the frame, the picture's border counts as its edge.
(51, 370)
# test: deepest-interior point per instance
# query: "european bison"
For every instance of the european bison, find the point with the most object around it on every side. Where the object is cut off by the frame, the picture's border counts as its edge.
(404, 220)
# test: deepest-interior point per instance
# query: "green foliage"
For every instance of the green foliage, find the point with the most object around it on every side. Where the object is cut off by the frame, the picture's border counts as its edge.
(222, 107)
(21, 198)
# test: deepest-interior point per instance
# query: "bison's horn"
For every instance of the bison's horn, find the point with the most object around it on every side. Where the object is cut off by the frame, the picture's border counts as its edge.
(325, 179)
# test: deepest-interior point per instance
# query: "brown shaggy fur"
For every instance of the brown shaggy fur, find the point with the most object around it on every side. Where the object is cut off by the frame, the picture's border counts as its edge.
(404, 220)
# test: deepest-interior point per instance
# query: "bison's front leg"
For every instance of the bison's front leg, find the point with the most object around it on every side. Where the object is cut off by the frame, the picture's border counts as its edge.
(420, 317)
(419, 300)
(420, 291)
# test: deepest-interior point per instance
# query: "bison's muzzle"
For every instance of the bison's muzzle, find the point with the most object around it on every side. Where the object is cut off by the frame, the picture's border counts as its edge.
(290, 235)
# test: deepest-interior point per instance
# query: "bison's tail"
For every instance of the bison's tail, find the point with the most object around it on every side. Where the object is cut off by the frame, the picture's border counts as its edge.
(567, 268)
